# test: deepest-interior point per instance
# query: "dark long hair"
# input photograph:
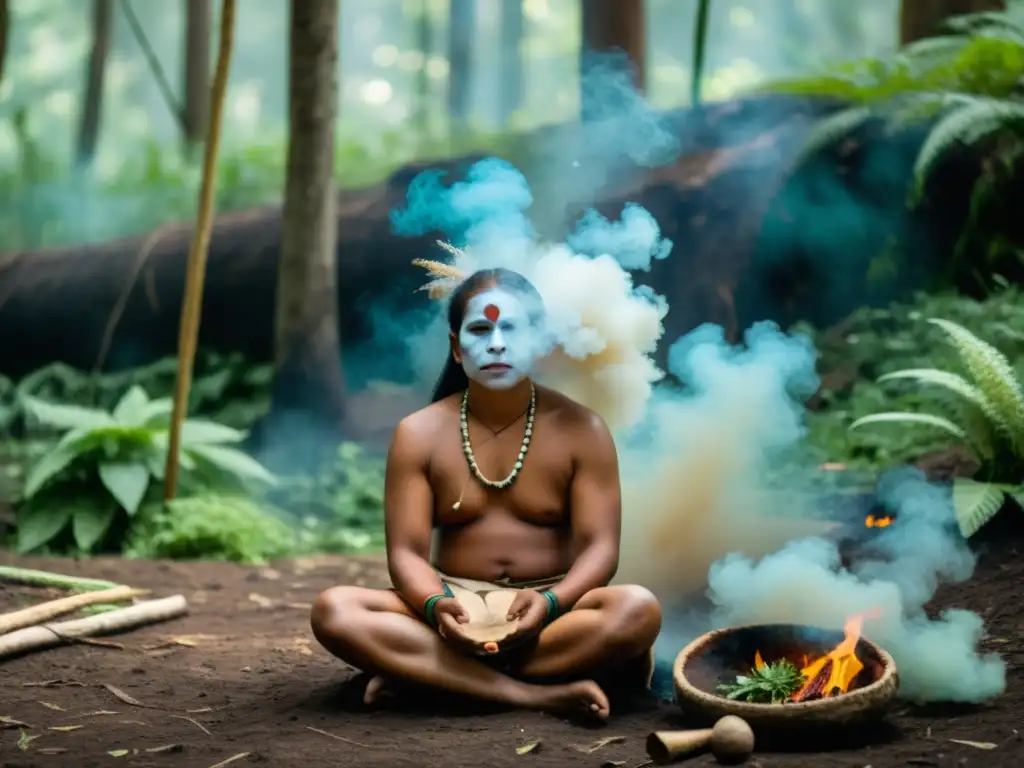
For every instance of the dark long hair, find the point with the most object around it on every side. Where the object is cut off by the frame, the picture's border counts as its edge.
(453, 377)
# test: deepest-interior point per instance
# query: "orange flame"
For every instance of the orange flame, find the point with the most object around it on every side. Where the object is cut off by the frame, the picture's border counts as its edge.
(834, 673)
(877, 522)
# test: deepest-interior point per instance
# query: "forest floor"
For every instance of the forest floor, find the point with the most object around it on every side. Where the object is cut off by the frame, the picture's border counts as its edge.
(240, 681)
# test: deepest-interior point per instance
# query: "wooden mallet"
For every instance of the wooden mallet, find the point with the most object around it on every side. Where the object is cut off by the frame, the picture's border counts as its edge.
(731, 741)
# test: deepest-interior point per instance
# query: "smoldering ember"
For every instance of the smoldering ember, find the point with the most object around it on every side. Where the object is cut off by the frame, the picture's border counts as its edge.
(561, 382)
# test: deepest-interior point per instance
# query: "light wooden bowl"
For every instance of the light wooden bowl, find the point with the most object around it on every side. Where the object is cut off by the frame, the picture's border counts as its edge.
(719, 656)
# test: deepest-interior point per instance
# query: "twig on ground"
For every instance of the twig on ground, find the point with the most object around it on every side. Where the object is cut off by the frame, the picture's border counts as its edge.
(336, 736)
(230, 760)
(48, 636)
(122, 696)
(28, 617)
(194, 722)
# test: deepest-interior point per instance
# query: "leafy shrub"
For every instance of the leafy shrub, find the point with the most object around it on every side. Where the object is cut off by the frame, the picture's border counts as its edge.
(967, 82)
(220, 527)
(341, 507)
(104, 464)
(988, 409)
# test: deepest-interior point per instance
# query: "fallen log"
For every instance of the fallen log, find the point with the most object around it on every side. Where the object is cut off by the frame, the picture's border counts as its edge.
(116, 305)
(124, 619)
(754, 238)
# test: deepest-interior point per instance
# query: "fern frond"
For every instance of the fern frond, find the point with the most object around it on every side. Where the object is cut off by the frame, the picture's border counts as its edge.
(986, 23)
(830, 130)
(994, 376)
(927, 419)
(975, 504)
(930, 52)
(838, 85)
(967, 125)
(951, 381)
(977, 415)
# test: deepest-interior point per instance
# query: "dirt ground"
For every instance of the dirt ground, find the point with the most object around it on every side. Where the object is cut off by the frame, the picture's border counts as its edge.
(240, 682)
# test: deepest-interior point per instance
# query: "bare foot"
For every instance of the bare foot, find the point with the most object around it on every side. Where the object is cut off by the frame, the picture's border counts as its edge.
(376, 689)
(583, 697)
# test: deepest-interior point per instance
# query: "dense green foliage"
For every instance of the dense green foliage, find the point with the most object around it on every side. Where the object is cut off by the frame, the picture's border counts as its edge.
(965, 85)
(84, 476)
(878, 341)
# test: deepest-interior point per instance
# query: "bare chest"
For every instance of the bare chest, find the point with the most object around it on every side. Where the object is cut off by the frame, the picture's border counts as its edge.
(538, 494)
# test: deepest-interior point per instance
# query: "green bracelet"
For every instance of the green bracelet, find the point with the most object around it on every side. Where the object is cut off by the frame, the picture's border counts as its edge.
(428, 608)
(553, 608)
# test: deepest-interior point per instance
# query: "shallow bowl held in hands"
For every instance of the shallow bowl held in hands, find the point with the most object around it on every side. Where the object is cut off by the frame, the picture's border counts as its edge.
(718, 657)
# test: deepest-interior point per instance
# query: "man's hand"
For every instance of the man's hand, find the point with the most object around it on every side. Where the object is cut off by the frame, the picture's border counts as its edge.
(450, 615)
(531, 608)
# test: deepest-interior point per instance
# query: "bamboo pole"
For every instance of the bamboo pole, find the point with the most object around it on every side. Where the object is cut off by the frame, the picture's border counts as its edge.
(51, 609)
(195, 270)
(32, 577)
(121, 620)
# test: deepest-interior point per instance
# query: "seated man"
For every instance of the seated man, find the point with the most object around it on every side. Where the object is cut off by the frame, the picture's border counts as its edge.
(538, 512)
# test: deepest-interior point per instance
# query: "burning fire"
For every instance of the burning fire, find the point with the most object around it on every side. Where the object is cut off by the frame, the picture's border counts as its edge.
(831, 674)
(878, 522)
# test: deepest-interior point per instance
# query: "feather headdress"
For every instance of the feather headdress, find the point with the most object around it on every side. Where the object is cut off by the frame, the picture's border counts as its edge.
(444, 277)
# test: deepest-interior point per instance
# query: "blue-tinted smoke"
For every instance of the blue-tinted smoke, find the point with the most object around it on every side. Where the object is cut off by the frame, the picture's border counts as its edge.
(488, 206)
(700, 511)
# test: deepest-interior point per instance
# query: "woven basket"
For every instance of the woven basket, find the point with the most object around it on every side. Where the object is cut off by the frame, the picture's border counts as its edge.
(719, 656)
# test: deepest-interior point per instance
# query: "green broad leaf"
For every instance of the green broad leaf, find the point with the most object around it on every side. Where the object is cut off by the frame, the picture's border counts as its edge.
(913, 418)
(202, 432)
(91, 523)
(975, 504)
(126, 481)
(38, 524)
(65, 416)
(157, 412)
(69, 448)
(156, 463)
(234, 462)
(131, 408)
(161, 445)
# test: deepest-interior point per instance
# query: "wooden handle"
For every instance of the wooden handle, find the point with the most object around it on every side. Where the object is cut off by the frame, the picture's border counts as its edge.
(666, 746)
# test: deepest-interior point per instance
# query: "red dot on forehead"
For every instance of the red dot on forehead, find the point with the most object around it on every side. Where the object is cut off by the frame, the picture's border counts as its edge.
(491, 312)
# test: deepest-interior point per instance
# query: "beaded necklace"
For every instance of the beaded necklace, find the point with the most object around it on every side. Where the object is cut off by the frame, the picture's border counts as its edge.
(467, 449)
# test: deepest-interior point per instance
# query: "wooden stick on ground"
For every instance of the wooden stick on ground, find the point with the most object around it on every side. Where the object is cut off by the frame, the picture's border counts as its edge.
(50, 635)
(36, 578)
(36, 614)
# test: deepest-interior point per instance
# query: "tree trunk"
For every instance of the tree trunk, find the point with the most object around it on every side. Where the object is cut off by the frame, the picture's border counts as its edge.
(5, 26)
(196, 107)
(921, 18)
(89, 128)
(510, 71)
(609, 26)
(461, 28)
(421, 90)
(308, 383)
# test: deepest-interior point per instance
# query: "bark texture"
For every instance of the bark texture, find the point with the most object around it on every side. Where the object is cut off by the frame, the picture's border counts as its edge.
(921, 18)
(92, 106)
(613, 26)
(307, 353)
(196, 113)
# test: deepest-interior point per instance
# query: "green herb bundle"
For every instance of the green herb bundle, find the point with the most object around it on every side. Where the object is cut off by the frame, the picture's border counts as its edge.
(773, 683)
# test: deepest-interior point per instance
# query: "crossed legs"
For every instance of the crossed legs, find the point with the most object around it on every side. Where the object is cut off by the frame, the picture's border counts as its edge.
(375, 631)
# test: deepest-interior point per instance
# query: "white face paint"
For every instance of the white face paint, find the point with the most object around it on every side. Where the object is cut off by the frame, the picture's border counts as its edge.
(497, 344)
